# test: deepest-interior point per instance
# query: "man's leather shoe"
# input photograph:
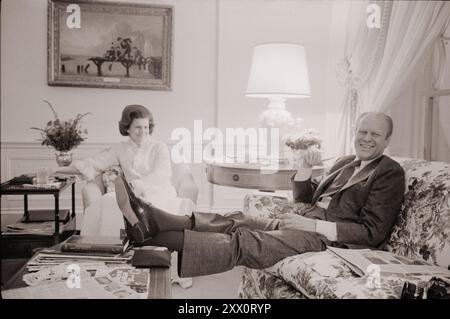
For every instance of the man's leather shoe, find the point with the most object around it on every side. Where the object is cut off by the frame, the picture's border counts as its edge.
(134, 208)
(137, 234)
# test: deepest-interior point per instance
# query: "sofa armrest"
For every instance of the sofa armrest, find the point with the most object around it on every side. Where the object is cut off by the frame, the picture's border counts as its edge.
(271, 205)
(187, 188)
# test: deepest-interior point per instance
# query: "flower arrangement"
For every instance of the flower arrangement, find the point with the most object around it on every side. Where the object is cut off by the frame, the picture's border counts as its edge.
(303, 140)
(63, 135)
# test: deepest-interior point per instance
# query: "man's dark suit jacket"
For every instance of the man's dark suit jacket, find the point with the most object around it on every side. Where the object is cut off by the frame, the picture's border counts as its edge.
(366, 208)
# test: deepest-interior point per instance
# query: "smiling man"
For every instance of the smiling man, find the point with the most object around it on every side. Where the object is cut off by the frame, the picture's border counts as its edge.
(373, 134)
(357, 202)
(354, 205)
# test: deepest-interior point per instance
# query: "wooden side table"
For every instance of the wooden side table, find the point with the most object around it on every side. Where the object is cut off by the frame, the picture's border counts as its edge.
(21, 245)
(10, 189)
(254, 176)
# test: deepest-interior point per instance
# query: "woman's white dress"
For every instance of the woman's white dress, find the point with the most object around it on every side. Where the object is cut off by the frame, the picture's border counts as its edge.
(147, 168)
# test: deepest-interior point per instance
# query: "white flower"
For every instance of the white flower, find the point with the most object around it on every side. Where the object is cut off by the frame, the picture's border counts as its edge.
(302, 140)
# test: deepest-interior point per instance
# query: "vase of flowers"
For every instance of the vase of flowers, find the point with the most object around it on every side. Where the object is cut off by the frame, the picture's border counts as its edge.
(63, 136)
(300, 142)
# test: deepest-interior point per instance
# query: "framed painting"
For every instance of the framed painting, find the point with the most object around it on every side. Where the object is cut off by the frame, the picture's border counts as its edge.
(109, 44)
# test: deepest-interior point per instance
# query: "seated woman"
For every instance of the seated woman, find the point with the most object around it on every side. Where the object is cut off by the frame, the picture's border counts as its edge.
(146, 165)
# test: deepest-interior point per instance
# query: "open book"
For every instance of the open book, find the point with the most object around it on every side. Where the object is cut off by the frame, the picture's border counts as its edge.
(365, 262)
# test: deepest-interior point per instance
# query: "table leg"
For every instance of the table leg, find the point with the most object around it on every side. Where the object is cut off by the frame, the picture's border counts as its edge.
(73, 200)
(25, 206)
(56, 234)
(159, 285)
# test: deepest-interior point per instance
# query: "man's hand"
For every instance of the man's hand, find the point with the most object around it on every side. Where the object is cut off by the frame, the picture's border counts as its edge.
(312, 157)
(291, 221)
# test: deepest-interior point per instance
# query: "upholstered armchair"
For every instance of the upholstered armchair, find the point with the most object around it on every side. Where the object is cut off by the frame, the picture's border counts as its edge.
(182, 180)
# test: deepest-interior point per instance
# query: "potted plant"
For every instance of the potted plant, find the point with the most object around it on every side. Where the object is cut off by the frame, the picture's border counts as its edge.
(63, 136)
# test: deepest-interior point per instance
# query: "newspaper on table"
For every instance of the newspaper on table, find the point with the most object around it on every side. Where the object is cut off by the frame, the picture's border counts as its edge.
(96, 281)
(362, 261)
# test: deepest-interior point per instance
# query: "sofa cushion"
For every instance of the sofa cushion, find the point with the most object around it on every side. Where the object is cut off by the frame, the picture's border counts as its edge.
(258, 284)
(423, 228)
(271, 206)
(109, 176)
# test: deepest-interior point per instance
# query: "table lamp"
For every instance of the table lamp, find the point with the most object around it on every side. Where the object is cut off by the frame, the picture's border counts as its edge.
(278, 71)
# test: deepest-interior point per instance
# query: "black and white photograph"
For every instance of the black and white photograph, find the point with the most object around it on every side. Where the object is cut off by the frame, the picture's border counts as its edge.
(101, 44)
(232, 156)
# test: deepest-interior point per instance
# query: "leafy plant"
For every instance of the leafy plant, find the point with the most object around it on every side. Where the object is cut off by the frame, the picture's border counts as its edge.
(62, 135)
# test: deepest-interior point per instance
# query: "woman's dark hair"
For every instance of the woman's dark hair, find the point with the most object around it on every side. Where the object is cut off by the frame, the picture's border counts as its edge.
(131, 112)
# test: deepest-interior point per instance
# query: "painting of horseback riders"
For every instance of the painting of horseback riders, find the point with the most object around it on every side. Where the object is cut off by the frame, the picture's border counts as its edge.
(109, 45)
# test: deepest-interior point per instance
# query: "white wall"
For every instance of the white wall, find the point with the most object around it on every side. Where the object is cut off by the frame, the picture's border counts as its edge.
(24, 76)
(212, 48)
(244, 23)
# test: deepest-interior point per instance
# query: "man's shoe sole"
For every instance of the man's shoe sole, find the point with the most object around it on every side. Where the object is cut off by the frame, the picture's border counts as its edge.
(124, 202)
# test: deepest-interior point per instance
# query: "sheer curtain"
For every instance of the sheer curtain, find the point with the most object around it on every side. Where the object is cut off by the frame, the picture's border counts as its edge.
(414, 28)
(405, 40)
(363, 52)
(409, 139)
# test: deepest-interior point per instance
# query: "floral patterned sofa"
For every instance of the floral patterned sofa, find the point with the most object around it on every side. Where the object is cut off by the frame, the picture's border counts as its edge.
(422, 233)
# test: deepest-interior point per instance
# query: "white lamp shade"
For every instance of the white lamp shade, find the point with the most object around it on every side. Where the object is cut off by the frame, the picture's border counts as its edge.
(278, 70)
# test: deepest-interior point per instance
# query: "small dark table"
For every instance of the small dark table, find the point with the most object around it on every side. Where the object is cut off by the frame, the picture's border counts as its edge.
(9, 188)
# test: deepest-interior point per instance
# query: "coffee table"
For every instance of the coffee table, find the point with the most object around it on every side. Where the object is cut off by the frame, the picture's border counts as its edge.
(159, 286)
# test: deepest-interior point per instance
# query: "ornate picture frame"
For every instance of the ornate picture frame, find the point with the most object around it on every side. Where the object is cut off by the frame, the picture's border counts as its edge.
(109, 44)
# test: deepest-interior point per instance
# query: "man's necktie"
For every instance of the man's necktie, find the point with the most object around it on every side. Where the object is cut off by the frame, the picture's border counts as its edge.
(341, 179)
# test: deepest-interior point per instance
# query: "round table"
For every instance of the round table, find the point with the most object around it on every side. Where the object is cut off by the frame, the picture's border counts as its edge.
(255, 176)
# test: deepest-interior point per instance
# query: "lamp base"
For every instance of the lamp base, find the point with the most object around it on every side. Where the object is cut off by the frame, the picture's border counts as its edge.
(277, 120)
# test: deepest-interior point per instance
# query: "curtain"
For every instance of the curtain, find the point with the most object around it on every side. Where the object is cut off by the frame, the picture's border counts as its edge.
(441, 113)
(363, 52)
(414, 28)
(404, 42)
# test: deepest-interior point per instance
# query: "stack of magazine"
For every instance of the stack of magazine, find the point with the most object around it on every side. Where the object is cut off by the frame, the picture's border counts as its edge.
(83, 250)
